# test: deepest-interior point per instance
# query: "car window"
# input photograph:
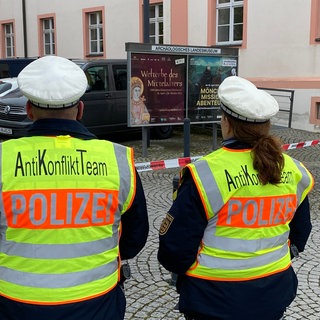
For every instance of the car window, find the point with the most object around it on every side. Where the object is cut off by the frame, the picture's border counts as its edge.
(4, 70)
(120, 76)
(97, 78)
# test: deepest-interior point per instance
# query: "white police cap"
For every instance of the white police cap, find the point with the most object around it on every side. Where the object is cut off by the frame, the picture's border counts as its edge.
(52, 82)
(241, 99)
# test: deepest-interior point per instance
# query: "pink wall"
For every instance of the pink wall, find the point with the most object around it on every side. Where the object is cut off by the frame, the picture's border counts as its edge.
(179, 22)
(315, 101)
(293, 83)
(315, 21)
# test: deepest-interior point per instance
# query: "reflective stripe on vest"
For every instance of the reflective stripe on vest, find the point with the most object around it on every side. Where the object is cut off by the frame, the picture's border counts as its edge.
(61, 204)
(247, 233)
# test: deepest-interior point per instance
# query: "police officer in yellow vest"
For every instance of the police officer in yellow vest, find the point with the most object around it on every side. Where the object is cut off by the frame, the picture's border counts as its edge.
(237, 212)
(72, 207)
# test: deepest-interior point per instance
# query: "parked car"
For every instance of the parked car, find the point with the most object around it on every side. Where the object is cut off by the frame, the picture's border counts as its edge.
(7, 85)
(105, 103)
(11, 67)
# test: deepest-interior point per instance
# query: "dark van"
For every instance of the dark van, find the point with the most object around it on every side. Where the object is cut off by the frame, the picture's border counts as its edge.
(11, 67)
(105, 103)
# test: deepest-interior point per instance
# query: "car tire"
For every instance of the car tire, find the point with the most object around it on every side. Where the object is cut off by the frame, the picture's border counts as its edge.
(162, 132)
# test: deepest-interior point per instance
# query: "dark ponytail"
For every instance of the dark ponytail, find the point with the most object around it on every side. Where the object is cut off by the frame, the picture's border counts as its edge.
(266, 151)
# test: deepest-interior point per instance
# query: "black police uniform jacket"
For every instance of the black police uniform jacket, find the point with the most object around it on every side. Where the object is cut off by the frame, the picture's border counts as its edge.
(135, 228)
(264, 299)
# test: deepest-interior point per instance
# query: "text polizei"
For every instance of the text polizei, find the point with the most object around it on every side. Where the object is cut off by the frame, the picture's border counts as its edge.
(60, 209)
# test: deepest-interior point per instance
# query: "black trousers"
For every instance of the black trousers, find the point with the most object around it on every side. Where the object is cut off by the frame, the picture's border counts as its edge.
(193, 318)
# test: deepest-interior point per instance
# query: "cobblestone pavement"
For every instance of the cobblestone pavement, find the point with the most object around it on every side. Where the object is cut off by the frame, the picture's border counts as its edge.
(149, 293)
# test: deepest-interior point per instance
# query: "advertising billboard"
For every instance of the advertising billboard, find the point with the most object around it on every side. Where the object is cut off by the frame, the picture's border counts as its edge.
(171, 83)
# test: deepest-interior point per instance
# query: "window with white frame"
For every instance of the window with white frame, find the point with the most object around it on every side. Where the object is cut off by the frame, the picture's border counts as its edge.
(95, 33)
(48, 36)
(229, 21)
(9, 40)
(156, 23)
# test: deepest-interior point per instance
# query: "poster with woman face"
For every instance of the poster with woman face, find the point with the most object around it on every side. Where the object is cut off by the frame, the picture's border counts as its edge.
(157, 89)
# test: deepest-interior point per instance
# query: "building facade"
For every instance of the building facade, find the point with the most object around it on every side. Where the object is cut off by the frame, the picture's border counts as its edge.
(278, 41)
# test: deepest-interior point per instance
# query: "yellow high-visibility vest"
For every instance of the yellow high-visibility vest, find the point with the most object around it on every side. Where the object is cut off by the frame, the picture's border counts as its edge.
(248, 223)
(61, 205)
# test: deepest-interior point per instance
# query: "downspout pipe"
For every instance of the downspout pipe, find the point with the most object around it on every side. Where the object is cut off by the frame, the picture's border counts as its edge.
(24, 21)
(146, 21)
(146, 33)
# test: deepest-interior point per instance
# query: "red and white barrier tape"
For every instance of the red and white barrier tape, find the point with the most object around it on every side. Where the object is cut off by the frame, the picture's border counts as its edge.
(300, 144)
(165, 164)
(181, 162)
